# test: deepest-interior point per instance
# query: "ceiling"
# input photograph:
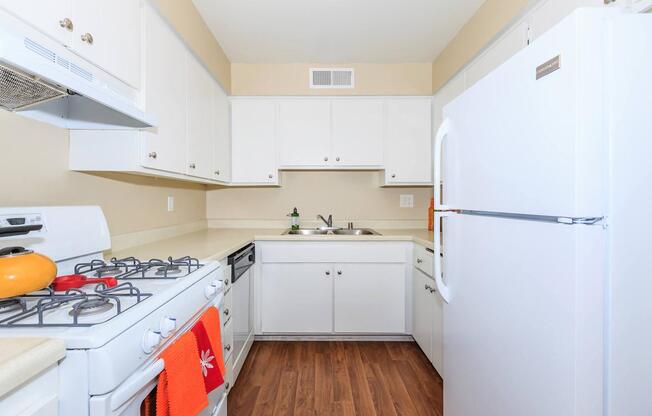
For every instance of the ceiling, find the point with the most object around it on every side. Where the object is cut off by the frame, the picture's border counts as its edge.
(335, 31)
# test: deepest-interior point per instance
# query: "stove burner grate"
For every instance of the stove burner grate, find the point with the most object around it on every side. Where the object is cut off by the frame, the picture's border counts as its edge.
(108, 271)
(91, 307)
(12, 305)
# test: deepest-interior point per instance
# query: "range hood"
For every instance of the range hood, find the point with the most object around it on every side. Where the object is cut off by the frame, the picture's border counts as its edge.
(44, 80)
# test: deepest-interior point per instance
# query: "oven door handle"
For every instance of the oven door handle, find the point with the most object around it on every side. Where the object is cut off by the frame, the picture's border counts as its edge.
(135, 383)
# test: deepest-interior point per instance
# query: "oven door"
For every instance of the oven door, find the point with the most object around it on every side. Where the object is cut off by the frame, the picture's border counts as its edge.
(128, 398)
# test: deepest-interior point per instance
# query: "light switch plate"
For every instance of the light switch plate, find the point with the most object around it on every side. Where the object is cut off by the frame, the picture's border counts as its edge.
(407, 201)
(170, 203)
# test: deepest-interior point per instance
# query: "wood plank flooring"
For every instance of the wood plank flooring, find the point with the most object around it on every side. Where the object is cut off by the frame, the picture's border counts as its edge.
(336, 378)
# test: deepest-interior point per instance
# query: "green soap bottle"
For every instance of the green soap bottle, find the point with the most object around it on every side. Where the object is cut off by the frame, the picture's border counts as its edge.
(294, 219)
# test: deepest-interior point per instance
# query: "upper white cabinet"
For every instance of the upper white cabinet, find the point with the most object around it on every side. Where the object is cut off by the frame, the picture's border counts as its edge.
(104, 32)
(52, 17)
(166, 88)
(304, 132)
(408, 142)
(357, 132)
(253, 142)
(222, 148)
(201, 127)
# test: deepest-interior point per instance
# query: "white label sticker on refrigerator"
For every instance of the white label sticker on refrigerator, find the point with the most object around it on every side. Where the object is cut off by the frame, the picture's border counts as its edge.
(549, 67)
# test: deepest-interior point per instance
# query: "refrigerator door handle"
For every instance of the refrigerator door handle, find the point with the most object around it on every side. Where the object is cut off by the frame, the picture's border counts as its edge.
(442, 133)
(444, 292)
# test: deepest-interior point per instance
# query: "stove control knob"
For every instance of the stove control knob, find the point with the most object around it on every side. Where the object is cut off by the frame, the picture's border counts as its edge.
(168, 325)
(210, 291)
(151, 339)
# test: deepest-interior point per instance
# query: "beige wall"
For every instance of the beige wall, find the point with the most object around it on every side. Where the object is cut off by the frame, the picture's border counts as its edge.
(34, 171)
(187, 21)
(348, 195)
(491, 19)
(293, 79)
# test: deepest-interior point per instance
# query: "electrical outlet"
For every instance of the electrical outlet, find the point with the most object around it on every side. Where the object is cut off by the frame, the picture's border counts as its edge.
(407, 201)
(170, 203)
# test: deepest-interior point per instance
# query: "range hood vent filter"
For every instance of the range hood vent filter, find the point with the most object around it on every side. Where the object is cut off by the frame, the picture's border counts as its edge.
(19, 91)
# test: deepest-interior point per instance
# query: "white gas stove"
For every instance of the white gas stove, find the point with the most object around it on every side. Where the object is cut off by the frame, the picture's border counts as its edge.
(114, 326)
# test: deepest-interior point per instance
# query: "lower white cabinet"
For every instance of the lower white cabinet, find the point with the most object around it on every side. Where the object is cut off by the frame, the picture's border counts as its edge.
(333, 288)
(297, 298)
(369, 298)
(427, 318)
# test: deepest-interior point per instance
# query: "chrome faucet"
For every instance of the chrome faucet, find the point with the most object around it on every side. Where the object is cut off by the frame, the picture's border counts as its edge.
(328, 222)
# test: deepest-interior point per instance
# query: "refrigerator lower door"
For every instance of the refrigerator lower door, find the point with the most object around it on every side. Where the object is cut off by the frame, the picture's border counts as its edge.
(523, 326)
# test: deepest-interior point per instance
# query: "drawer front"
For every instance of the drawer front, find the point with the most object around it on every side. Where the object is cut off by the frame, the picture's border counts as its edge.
(335, 252)
(423, 260)
(228, 380)
(227, 339)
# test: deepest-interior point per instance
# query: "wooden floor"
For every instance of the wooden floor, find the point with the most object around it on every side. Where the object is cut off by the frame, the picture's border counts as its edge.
(336, 378)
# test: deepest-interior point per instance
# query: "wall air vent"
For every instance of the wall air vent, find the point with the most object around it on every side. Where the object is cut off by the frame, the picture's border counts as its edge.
(331, 78)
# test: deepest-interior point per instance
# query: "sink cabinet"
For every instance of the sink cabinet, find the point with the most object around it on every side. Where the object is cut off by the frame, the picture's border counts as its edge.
(333, 287)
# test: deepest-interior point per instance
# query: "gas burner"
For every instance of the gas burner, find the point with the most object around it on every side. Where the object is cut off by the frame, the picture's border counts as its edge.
(91, 307)
(108, 271)
(11, 305)
(168, 270)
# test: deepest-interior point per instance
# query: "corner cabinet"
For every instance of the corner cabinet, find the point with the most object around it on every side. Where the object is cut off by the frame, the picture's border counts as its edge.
(192, 139)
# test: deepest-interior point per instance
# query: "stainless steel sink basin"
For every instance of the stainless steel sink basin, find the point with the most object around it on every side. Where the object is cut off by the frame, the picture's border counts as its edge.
(307, 231)
(355, 231)
(340, 231)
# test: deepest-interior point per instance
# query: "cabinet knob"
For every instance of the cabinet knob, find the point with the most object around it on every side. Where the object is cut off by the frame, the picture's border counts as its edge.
(192, 166)
(152, 155)
(88, 38)
(270, 176)
(427, 287)
(328, 273)
(326, 159)
(227, 386)
(337, 159)
(227, 311)
(217, 172)
(228, 347)
(419, 261)
(66, 24)
(339, 272)
(393, 175)
(432, 290)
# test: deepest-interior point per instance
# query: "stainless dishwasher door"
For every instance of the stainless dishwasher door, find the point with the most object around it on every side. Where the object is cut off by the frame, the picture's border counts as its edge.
(242, 311)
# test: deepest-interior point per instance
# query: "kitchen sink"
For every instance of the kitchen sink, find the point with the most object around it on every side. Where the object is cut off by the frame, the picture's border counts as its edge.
(340, 231)
(355, 231)
(306, 231)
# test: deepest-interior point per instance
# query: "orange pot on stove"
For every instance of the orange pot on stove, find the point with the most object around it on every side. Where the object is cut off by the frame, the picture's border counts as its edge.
(23, 271)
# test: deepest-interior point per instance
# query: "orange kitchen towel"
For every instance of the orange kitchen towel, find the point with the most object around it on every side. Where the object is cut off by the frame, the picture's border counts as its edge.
(180, 390)
(211, 321)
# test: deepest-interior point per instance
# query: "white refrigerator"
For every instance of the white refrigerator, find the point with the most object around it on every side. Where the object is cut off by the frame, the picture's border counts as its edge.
(546, 167)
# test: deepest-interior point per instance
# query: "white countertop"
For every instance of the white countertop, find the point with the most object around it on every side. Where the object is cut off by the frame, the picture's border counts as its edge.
(22, 359)
(217, 243)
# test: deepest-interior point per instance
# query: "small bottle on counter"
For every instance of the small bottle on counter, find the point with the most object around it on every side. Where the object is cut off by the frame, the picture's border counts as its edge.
(431, 215)
(294, 219)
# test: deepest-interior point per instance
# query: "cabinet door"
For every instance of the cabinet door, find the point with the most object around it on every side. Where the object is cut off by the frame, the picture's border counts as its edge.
(408, 154)
(506, 47)
(357, 135)
(551, 12)
(297, 298)
(422, 320)
(369, 298)
(46, 16)
(437, 355)
(165, 95)
(304, 132)
(107, 33)
(253, 141)
(222, 121)
(201, 125)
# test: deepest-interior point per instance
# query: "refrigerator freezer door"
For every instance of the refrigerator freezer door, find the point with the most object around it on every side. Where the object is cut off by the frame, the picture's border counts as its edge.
(630, 345)
(523, 328)
(518, 144)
